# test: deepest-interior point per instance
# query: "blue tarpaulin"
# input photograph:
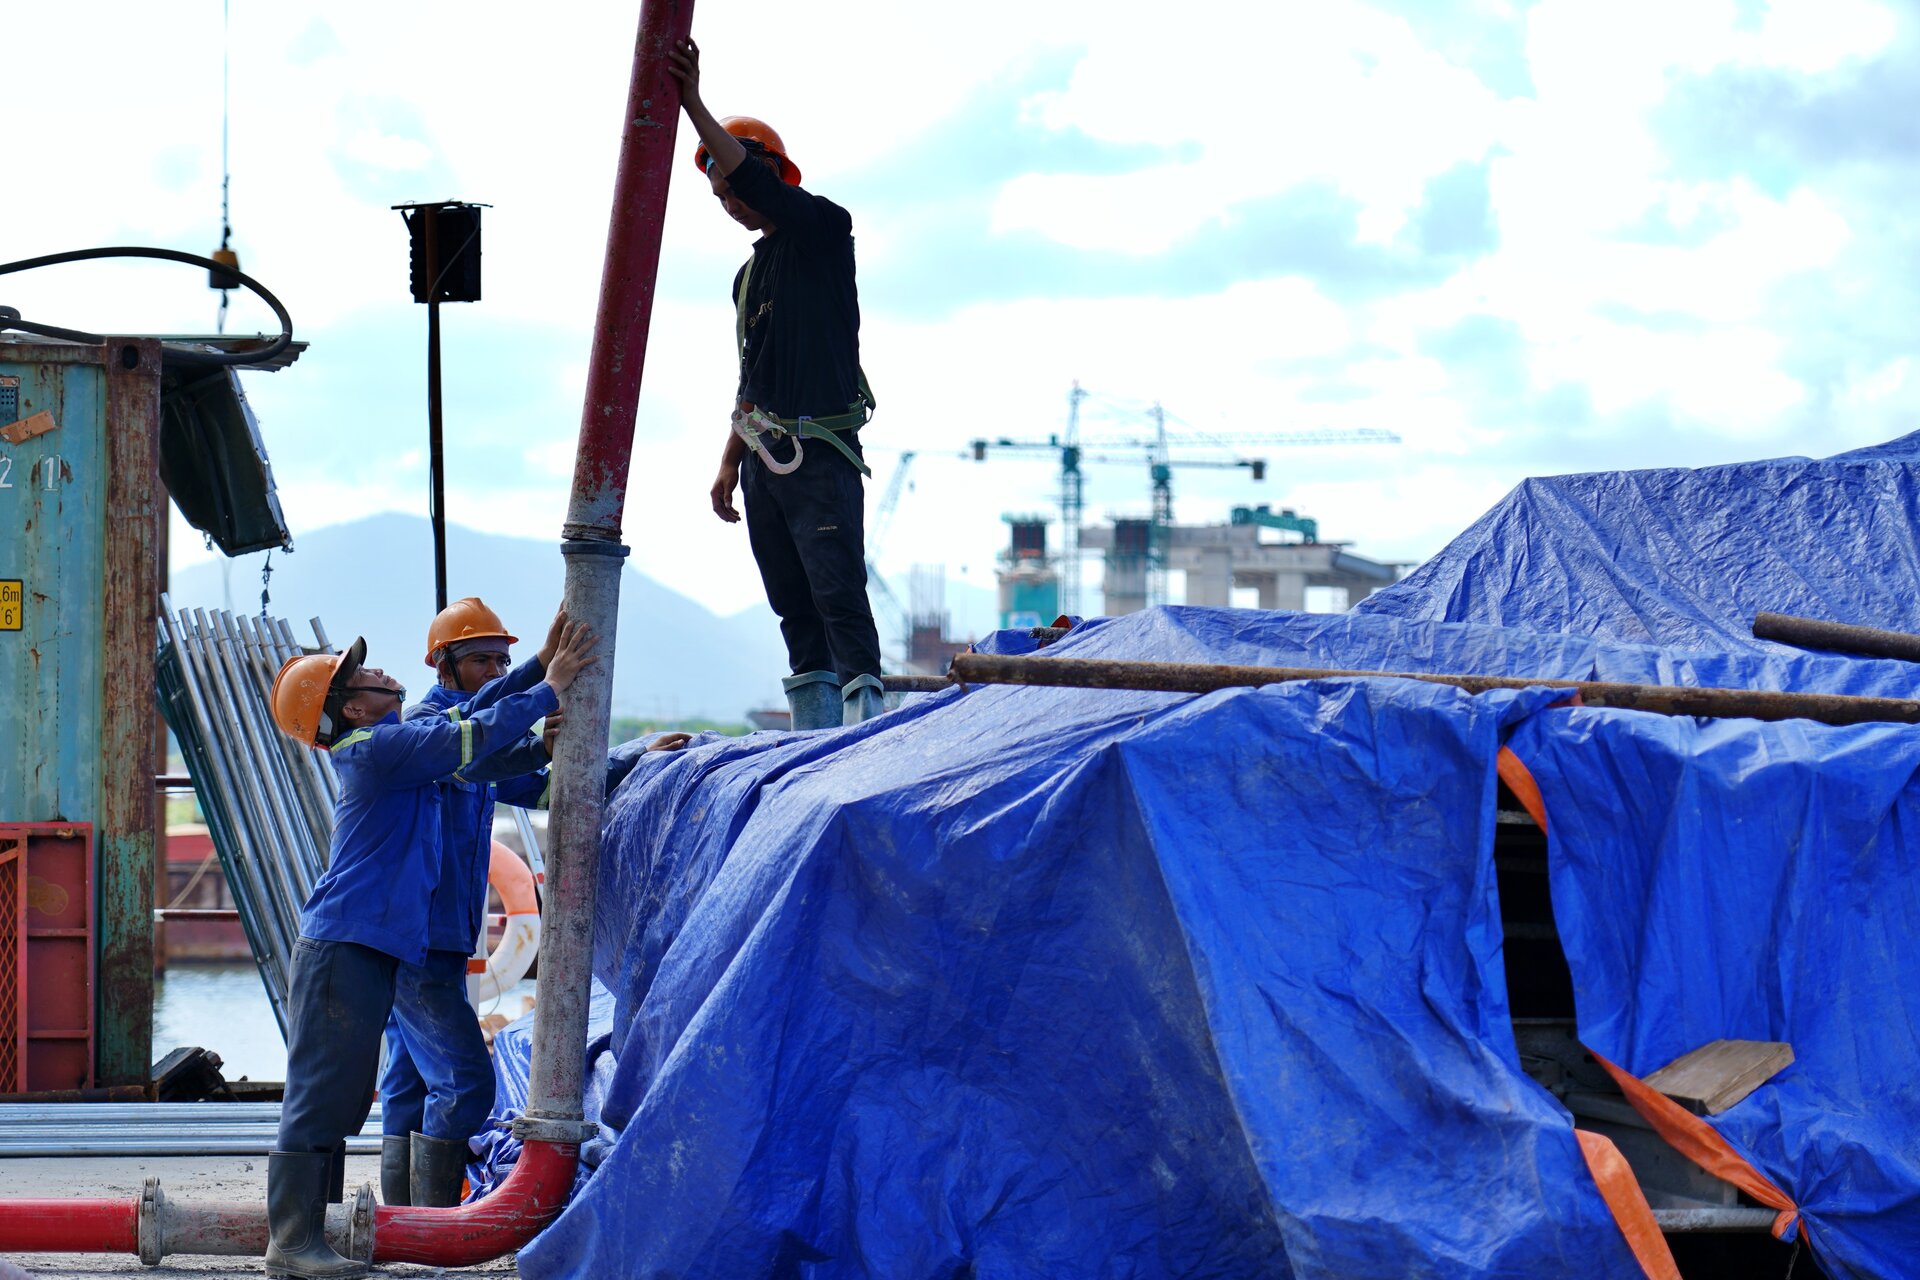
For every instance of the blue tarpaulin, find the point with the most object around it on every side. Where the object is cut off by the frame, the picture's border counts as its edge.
(1023, 982)
(1733, 880)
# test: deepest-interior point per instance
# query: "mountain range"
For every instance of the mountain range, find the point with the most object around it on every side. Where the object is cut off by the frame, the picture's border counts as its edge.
(676, 659)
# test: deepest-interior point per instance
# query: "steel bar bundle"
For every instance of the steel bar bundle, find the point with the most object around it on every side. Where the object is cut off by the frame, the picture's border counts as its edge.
(152, 1129)
(268, 801)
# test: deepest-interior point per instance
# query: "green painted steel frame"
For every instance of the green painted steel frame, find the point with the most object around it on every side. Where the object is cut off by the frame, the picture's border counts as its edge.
(79, 525)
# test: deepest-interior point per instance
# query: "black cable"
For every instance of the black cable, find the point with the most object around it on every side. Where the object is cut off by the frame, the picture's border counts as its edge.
(10, 316)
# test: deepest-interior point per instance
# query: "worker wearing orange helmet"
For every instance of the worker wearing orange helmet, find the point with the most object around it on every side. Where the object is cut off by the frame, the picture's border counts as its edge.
(369, 913)
(798, 408)
(438, 1086)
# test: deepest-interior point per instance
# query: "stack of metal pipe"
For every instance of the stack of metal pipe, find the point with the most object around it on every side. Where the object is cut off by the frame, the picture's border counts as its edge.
(152, 1129)
(268, 801)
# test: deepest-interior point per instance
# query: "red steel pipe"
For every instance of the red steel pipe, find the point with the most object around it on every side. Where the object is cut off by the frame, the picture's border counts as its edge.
(535, 1191)
(605, 448)
(70, 1226)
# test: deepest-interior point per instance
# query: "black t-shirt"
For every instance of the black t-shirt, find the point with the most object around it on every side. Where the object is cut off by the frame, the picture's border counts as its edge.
(802, 350)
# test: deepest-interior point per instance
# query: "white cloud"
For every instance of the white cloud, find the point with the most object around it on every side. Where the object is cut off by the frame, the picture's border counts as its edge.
(1641, 286)
(1268, 98)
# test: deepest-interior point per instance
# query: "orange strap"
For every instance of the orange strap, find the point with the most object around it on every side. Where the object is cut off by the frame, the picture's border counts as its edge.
(1685, 1132)
(1628, 1204)
(1519, 779)
(1699, 1142)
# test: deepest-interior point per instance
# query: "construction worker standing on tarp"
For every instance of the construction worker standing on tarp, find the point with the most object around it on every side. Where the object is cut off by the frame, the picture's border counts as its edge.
(798, 408)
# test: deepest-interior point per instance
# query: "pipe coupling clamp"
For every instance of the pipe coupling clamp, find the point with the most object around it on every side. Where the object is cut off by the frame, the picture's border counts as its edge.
(153, 1210)
(571, 1130)
(572, 546)
(360, 1225)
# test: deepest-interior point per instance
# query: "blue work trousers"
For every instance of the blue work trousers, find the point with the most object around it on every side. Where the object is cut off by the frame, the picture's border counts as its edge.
(339, 996)
(439, 1079)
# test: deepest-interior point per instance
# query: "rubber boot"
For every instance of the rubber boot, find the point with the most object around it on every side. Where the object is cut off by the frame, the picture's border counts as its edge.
(337, 1175)
(814, 699)
(297, 1218)
(395, 1187)
(439, 1167)
(862, 699)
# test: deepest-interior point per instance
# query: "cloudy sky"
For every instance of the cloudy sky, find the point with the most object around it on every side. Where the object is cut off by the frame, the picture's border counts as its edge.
(1528, 238)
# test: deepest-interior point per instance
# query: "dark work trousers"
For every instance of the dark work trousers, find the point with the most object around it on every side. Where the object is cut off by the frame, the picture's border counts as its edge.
(337, 1003)
(808, 533)
(439, 1079)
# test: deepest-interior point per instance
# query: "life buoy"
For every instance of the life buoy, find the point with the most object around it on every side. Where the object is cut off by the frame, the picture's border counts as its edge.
(510, 959)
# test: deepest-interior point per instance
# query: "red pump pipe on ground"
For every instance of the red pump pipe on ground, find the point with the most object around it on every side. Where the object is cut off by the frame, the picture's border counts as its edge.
(534, 1192)
(69, 1226)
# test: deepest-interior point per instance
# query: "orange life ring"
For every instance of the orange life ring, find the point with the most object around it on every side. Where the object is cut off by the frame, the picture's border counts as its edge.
(513, 955)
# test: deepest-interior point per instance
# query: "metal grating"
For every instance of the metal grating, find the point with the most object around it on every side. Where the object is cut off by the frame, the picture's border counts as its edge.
(9, 400)
(11, 978)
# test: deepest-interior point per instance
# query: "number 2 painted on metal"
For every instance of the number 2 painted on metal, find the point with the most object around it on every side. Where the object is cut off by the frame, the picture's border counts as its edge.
(6, 469)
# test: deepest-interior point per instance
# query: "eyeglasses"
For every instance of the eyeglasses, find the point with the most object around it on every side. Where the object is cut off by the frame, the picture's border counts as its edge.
(401, 694)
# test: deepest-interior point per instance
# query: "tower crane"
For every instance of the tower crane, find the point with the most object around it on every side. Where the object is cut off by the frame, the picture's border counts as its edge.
(1160, 464)
(883, 515)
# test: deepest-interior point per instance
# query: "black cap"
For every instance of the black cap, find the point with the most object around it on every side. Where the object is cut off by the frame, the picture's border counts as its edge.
(349, 664)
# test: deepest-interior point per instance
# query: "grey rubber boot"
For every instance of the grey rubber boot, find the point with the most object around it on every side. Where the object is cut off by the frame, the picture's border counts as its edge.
(297, 1218)
(439, 1167)
(395, 1187)
(862, 699)
(814, 699)
(337, 1175)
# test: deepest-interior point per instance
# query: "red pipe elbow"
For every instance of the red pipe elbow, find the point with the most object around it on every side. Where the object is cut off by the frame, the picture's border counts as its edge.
(515, 1213)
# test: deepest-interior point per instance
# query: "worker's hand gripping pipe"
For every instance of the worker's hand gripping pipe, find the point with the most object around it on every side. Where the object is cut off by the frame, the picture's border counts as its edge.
(552, 1128)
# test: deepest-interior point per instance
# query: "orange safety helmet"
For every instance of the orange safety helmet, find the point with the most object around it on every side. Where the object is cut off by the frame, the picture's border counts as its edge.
(757, 130)
(464, 619)
(299, 696)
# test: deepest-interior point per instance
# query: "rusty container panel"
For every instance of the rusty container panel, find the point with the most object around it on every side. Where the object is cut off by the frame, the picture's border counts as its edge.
(80, 501)
(13, 963)
(134, 509)
(54, 942)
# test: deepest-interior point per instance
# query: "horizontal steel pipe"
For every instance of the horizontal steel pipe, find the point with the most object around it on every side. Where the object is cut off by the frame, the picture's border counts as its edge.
(1716, 1219)
(1203, 677)
(915, 684)
(1841, 637)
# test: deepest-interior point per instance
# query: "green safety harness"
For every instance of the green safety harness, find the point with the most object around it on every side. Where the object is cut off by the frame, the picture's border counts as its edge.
(750, 426)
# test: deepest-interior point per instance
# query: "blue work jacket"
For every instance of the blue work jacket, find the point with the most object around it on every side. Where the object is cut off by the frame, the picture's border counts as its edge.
(516, 774)
(387, 824)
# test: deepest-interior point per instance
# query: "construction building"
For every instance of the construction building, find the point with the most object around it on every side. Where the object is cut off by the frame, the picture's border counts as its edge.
(1276, 554)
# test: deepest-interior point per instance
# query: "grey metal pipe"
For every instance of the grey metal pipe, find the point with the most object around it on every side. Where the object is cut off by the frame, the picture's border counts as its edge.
(262, 840)
(251, 887)
(259, 735)
(322, 763)
(60, 1144)
(240, 1230)
(1731, 1218)
(263, 663)
(263, 927)
(573, 854)
(273, 832)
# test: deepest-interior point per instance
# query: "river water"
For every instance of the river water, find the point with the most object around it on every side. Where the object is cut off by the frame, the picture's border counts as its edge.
(224, 1008)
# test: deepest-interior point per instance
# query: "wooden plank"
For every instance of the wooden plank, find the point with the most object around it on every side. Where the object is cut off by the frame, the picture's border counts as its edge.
(1715, 1076)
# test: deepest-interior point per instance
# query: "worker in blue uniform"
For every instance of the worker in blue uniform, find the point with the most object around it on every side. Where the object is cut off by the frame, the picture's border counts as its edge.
(369, 912)
(438, 1086)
